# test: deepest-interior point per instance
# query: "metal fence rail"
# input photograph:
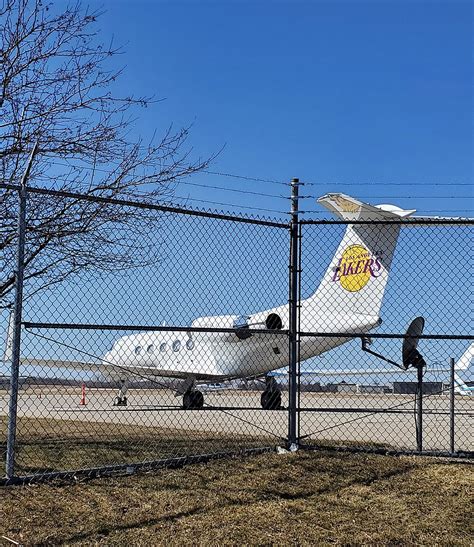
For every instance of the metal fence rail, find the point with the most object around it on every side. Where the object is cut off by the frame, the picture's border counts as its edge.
(160, 353)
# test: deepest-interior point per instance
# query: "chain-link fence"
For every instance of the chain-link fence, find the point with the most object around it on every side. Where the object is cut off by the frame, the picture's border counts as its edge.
(361, 393)
(136, 336)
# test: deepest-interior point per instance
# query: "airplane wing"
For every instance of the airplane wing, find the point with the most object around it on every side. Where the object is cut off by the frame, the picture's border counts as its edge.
(366, 372)
(109, 369)
(59, 363)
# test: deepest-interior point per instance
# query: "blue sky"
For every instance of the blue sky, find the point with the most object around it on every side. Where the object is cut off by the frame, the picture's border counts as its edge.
(331, 92)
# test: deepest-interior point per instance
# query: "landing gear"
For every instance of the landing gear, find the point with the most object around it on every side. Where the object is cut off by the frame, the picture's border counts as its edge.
(271, 397)
(121, 399)
(193, 399)
(270, 400)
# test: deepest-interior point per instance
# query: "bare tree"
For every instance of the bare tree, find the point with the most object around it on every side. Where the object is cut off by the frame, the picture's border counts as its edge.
(55, 89)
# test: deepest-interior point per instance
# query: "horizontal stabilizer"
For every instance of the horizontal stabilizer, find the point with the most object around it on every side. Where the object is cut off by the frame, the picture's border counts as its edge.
(349, 208)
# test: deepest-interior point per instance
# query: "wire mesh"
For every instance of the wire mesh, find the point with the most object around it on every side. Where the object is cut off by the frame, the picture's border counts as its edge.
(376, 278)
(144, 339)
(150, 347)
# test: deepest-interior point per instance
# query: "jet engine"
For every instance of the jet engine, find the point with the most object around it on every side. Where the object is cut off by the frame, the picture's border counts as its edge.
(273, 322)
(244, 325)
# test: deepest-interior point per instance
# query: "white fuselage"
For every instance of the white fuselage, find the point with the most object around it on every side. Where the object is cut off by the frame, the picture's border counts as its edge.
(347, 301)
(217, 356)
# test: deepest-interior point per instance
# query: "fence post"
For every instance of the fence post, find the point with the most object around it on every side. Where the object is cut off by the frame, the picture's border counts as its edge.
(293, 320)
(17, 312)
(419, 411)
(451, 407)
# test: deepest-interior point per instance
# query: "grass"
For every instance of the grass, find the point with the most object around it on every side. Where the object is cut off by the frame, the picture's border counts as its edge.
(302, 498)
(48, 445)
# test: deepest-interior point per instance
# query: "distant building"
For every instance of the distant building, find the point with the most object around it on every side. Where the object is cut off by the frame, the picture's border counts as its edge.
(345, 387)
(313, 387)
(371, 388)
(409, 388)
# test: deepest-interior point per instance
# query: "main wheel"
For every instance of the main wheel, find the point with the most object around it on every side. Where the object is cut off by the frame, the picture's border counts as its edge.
(198, 399)
(270, 400)
(192, 400)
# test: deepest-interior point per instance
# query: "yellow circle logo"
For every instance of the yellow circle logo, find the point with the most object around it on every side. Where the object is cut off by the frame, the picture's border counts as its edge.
(355, 268)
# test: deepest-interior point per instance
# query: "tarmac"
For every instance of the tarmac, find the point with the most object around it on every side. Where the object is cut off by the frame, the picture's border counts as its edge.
(385, 419)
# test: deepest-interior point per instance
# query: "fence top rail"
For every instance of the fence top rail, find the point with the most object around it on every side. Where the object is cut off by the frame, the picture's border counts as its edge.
(233, 217)
(160, 328)
(401, 222)
(180, 328)
(150, 206)
(382, 335)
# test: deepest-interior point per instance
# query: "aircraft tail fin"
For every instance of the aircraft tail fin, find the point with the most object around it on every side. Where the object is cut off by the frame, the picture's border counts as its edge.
(466, 359)
(355, 280)
(349, 208)
(464, 363)
(461, 387)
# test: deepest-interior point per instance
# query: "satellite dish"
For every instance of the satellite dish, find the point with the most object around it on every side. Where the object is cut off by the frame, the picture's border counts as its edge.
(410, 355)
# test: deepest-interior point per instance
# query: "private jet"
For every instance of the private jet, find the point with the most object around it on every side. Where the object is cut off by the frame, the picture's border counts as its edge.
(347, 301)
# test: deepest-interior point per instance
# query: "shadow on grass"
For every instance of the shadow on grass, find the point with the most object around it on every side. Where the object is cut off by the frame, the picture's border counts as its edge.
(256, 493)
(46, 445)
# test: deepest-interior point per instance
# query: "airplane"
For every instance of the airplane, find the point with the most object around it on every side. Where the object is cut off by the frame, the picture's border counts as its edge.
(348, 300)
(460, 387)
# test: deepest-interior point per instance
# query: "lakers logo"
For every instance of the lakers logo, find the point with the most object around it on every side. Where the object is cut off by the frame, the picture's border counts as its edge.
(355, 268)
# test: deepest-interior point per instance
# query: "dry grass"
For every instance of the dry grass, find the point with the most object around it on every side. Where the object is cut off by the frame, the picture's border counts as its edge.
(46, 444)
(302, 498)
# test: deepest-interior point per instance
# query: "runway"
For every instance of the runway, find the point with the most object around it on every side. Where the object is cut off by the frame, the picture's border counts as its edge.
(384, 419)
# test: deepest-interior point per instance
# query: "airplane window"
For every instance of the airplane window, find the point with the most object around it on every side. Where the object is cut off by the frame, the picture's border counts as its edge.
(176, 345)
(150, 348)
(189, 344)
(163, 347)
(138, 349)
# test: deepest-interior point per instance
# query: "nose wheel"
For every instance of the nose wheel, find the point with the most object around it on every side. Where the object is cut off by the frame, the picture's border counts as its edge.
(121, 399)
(193, 400)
